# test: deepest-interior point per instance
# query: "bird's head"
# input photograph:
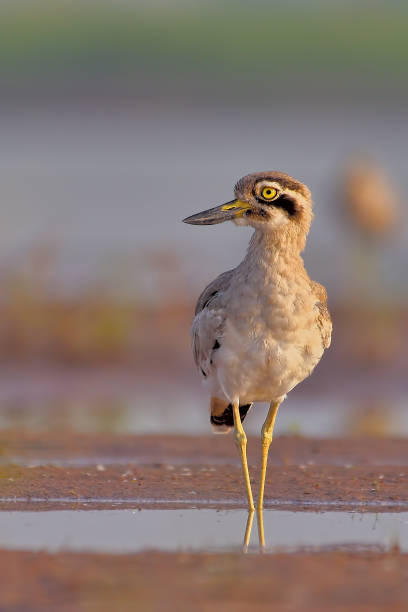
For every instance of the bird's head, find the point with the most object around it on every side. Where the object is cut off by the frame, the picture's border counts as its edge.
(271, 202)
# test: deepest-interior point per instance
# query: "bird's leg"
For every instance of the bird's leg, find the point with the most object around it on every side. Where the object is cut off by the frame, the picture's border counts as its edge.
(267, 432)
(248, 529)
(241, 443)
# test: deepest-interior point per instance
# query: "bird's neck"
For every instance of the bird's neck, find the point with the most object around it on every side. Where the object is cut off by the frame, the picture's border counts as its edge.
(275, 253)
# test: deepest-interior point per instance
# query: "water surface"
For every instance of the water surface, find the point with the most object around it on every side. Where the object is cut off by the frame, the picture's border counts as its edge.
(131, 531)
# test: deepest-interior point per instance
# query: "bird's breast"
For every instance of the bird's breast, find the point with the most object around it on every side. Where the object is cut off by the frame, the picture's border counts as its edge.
(271, 341)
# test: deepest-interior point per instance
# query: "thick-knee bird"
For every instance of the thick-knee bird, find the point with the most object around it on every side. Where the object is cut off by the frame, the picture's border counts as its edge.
(261, 328)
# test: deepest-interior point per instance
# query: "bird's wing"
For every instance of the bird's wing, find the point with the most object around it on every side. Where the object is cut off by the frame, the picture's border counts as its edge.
(208, 323)
(220, 284)
(323, 319)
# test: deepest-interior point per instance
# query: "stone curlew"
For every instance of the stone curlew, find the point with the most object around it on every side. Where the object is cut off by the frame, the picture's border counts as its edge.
(261, 328)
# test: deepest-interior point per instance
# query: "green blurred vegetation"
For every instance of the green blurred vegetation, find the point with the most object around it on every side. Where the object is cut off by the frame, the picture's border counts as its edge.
(351, 40)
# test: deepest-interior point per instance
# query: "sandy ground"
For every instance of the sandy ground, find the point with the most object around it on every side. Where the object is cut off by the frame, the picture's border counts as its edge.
(61, 470)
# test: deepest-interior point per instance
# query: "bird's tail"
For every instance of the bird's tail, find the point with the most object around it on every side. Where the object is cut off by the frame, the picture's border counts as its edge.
(222, 418)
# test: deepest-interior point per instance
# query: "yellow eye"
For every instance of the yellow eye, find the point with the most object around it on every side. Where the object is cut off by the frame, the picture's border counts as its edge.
(269, 193)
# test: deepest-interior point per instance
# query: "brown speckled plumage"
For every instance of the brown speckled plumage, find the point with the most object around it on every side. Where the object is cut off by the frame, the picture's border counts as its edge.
(261, 328)
(259, 311)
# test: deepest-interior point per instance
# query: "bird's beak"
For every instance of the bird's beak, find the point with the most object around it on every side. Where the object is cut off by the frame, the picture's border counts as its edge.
(219, 214)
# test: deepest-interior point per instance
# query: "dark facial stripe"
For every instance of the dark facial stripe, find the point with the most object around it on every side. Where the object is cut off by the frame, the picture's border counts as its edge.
(286, 203)
(283, 201)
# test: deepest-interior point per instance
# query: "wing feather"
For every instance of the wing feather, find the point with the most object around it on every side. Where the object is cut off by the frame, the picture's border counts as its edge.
(323, 319)
(208, 323)
(221, 283)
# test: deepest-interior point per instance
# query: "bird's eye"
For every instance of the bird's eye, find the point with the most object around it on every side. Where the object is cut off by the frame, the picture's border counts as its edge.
(269, 193)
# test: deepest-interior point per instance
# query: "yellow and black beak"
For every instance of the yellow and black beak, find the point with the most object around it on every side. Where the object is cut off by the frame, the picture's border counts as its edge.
(226, 212)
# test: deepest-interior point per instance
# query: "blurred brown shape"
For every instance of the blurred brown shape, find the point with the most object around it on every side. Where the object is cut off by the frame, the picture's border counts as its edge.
(371, 418)
(370, 197)
(372, 321)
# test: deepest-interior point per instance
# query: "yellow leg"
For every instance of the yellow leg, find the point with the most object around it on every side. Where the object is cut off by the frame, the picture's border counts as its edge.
(267, 432)
(241, 442)
(248, 529)
(259, 516)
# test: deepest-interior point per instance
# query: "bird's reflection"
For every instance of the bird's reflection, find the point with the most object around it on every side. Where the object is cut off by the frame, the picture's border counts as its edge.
(248, 529)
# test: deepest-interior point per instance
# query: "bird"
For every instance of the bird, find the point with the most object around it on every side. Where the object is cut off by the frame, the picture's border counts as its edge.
(370, 198)
(262, 327)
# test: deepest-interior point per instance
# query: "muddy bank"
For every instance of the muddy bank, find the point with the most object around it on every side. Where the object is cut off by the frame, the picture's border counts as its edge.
(99, 471)
(158, 581)
(168, 486)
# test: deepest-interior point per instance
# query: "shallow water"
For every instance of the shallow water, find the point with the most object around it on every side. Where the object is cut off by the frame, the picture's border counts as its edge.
(130, 531)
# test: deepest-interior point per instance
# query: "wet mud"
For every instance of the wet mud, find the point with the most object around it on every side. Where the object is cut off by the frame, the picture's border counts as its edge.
(104, 486)
(230, 582)
(66, 471)
(40, 471)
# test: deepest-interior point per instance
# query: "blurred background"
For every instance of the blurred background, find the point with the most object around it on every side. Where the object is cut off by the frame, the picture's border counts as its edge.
(120, 118)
